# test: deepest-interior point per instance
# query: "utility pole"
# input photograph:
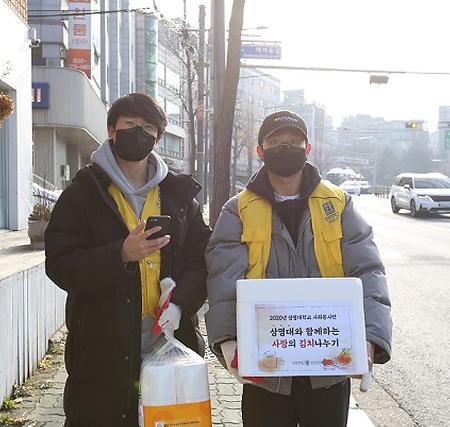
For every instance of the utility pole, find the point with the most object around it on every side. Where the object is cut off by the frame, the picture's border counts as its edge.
(201, 103)
(206, 184)
(224, 116)
(217, 34)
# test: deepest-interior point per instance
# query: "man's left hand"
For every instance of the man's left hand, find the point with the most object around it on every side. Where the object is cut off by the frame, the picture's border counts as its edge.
(370, 356)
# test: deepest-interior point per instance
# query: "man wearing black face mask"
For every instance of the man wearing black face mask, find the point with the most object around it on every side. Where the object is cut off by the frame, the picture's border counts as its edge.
(97, 249)
(289, 223)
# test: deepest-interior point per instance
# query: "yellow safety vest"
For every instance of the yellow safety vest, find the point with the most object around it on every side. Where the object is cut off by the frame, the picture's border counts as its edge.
(326, 205)
(149, 266)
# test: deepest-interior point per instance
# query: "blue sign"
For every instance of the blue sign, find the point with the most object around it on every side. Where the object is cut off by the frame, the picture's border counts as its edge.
(261, 51)
(40, 95)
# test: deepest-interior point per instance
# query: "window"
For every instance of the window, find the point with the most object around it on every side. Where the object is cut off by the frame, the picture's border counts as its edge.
(173, 146)
(432, 183)
(161, 74)
(161, 102)
(406, 181)
(172, 80)
(173, 113)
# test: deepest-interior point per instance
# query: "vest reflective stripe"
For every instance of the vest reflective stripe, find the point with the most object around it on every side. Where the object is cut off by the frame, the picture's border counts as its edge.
(326, 205)
(149, 266)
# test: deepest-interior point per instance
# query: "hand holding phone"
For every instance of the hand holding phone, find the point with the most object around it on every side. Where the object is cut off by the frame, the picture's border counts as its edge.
(162, 221)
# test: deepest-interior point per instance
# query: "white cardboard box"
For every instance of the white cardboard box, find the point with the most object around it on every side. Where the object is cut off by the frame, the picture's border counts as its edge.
(301, 327)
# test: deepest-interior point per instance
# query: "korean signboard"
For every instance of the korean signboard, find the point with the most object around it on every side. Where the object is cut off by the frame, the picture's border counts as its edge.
(260, 51)
(300, 327)
(312, 336)
(79, 54)
(40, 94)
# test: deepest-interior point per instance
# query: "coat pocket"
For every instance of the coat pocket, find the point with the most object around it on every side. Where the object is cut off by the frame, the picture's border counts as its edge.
(332, 237)
(253, 237)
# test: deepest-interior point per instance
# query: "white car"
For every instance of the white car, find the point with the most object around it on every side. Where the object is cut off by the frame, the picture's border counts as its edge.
(364, 186)
(351, 187)
(421, 193)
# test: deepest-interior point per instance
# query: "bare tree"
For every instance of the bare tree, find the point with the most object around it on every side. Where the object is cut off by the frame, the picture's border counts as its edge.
(223, 119)
(182, 44)
(243, 140)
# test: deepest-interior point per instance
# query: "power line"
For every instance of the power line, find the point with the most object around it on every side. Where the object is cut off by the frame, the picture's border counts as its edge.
(63, 14)
(345, 70)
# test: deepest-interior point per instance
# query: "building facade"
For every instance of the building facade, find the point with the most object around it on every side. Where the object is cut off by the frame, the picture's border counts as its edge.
(380, 149)
(16, 175)
(316, 122)
(258, 95)
(69, 116)
(174, 145)
(68, 127)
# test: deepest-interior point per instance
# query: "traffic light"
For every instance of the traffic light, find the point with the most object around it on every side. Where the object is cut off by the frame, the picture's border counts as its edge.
(378, 79)
(410, 125)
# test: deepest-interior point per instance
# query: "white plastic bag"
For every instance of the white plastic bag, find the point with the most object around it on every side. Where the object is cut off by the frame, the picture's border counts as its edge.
(174, 386)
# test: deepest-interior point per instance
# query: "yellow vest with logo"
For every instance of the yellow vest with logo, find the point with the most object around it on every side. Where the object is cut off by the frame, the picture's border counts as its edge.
(149, 266)
(326, 204)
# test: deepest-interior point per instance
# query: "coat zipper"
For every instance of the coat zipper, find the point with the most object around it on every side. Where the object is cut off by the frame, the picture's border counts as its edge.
(116, 212)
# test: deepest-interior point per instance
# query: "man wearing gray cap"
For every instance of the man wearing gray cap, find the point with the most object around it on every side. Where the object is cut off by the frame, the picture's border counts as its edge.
(314, 231)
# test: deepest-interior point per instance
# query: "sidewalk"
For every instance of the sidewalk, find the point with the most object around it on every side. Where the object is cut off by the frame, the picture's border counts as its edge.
(40, 404)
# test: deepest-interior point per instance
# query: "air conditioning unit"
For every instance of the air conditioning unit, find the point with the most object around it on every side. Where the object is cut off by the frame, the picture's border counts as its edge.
(65, 172)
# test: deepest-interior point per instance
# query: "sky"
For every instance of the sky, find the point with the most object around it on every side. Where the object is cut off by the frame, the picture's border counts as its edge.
(377, 35)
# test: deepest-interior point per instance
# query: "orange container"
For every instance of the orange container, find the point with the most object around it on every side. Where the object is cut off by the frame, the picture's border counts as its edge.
(175, 388)
(179, 415)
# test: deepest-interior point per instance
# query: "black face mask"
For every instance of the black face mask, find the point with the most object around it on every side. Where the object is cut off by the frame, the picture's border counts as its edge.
(285, 162)
(133, 144)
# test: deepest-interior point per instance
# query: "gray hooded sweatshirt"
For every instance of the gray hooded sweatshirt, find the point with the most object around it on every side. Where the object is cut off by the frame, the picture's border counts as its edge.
(157, 171)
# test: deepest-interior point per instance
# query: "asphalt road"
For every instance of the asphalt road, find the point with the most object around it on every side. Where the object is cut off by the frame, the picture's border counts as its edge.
(413, 389)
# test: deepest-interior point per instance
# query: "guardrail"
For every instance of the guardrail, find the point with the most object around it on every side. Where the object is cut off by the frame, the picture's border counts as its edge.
(382, 191)
(31, 311)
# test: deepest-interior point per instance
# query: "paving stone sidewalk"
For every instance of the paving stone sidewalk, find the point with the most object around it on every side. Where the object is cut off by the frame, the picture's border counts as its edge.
(40, 400)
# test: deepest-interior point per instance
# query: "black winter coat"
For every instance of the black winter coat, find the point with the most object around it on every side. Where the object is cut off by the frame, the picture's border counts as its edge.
(103, 310)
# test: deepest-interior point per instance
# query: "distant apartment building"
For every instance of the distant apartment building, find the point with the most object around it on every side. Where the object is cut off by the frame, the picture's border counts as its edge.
(16, 175)
(174, 145)
(258, 95)
(378, 149)
(316, 119)
(141, 60)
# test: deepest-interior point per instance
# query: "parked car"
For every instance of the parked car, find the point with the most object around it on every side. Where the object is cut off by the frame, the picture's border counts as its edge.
(421, 193)
(351, 187)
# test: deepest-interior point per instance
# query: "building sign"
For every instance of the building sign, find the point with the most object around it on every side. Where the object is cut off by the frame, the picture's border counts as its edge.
(352, 160)
(260, 51)
(40, 94)
(79, 53)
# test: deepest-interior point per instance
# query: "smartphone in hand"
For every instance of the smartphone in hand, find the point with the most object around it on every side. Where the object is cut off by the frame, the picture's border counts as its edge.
(162, 221)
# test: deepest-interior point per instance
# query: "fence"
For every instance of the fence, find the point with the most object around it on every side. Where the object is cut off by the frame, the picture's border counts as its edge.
(382, 191)
(31, 311)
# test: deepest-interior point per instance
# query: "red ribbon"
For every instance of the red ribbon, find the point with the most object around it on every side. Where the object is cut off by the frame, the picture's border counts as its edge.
(159, 311)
